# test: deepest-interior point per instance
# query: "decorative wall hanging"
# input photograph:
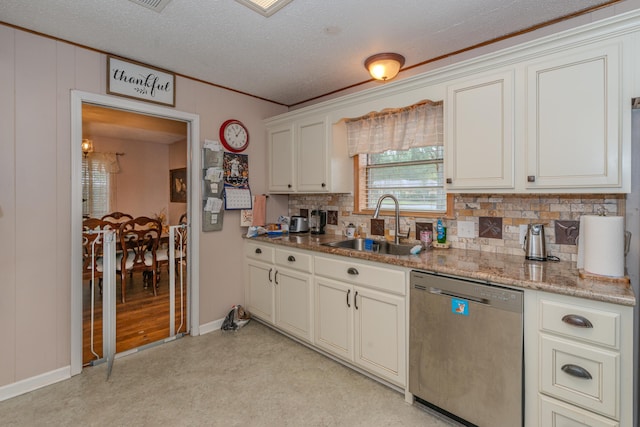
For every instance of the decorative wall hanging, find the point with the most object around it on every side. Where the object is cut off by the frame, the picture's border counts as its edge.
(139, 81)
(178, 185)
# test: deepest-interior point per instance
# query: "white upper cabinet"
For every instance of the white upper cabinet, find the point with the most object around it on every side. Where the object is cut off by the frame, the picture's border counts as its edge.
(573, 120)
(281, 158)
(313, 168)
(479, 133)
(308, 155)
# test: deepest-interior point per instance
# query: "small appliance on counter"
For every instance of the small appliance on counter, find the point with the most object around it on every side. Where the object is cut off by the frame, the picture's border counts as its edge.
(299, 224)
(317, 221)
(534, 244)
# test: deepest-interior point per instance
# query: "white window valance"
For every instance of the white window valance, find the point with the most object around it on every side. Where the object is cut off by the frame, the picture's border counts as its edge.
(104, 162)
(418, 125)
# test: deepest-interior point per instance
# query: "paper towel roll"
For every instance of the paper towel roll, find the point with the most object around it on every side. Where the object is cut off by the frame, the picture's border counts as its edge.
(603, 240)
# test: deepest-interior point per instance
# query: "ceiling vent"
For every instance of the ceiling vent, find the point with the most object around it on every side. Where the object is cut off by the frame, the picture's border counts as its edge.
(264, 7)
(155, 5)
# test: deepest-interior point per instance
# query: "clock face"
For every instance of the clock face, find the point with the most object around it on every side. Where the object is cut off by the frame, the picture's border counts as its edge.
(234, 136)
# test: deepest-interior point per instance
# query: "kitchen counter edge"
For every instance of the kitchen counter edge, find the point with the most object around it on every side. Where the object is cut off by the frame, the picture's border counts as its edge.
(510, 270)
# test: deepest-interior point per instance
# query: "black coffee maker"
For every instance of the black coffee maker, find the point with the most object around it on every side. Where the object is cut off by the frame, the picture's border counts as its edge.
(317, 221)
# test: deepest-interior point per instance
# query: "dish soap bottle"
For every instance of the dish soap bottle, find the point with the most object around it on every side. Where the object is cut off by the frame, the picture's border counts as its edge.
(441, 232)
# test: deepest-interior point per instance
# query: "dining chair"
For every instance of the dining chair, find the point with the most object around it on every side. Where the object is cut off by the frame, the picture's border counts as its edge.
(139, 239)
(117, 217)
(179, 244)
(92, 249)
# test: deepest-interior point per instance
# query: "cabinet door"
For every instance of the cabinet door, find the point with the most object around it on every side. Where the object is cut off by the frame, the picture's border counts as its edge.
(312, 155)
(281, 159)
(260, 298)
(293, 302)
(480, 133)
(334, 317)
(573, 120)
(380, 334)
(559, 414)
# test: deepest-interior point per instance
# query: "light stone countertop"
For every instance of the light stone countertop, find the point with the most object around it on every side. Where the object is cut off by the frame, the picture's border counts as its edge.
(557, 277)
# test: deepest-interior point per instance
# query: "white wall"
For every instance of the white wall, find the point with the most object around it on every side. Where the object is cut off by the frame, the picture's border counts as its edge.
(36, 76)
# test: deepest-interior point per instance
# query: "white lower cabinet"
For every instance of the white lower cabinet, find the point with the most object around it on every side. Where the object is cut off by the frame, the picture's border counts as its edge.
(293, 302)
(358, 323)
(353, 310)
(279, 288)
(583, 366)
(554, 413)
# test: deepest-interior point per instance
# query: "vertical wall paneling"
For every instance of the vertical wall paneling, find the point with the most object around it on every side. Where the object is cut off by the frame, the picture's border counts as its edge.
(66, 76)
(35, 163)
(7, 208)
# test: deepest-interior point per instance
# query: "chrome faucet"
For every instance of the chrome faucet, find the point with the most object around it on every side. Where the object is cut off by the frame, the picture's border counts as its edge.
(377, 212)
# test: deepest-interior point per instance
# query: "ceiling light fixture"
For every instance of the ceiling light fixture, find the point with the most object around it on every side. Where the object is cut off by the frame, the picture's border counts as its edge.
(265, 7)
(87, 147)
(384, 66)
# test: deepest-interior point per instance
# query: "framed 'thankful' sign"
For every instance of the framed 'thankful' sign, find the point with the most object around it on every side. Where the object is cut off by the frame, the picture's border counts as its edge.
(134, 80)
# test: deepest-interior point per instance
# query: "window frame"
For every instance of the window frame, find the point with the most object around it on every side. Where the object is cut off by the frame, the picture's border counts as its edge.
(403, 213)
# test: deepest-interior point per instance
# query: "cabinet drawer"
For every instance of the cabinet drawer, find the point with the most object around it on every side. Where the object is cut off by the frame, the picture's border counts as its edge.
(294, 260)
(559, 414)
(385, 279)
(580, 374)
(260, 252)
(581, 322)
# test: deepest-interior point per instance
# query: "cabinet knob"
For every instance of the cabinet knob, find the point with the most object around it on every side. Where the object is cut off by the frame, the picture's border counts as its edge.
(449, 181)
(577, 321)
(324, 185)
(576, 371)
(258, 250)
(531, 178)
(352, 271)
(288, 185)
(291, 258)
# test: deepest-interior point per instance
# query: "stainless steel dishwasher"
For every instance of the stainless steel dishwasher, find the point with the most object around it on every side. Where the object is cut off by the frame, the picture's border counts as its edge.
(466, 349)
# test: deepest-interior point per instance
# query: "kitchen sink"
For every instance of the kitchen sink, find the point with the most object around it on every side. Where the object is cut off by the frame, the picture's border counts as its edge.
(381, 247)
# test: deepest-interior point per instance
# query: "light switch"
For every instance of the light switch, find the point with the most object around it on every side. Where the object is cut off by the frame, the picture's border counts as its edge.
(466, 229)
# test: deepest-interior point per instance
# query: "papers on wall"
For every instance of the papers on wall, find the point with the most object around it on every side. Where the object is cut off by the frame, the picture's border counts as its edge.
(212, 185)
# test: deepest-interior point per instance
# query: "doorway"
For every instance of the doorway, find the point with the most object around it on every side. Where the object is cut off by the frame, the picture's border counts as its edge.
(127, 163)
(83, 106)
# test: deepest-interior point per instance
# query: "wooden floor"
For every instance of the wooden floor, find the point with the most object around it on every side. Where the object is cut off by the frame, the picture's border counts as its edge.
(143, 319)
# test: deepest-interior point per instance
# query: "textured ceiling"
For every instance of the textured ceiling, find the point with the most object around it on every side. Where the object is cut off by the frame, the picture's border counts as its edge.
(307, 49)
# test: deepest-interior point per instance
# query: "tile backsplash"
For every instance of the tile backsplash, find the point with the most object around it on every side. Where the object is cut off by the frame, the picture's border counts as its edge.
(497, 218)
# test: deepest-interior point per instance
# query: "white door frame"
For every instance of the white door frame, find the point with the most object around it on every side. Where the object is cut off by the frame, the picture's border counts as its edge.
(193, 203)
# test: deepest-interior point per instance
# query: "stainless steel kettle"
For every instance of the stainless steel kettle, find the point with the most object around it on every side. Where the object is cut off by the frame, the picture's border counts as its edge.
(534, 243)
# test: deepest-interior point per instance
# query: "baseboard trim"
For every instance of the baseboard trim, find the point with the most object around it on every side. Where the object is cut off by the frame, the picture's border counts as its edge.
(211, 326)
(29, 384)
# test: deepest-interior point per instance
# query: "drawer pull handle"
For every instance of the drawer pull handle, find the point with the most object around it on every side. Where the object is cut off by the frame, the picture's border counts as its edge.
(576, 371)
(352, 271)
(348, 293)
(449, 181)
(577, 321)
(291, 258)
(258, 250)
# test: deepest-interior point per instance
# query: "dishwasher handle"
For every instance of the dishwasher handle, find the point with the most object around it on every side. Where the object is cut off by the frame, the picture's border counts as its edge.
(438, 291)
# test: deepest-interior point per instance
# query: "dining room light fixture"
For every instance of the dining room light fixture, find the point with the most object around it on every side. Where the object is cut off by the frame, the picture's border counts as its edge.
(384, 66)
(87, 146)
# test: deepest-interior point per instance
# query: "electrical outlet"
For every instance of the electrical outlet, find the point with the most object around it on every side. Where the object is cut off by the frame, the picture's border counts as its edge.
(523, 232)
(466, 229)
